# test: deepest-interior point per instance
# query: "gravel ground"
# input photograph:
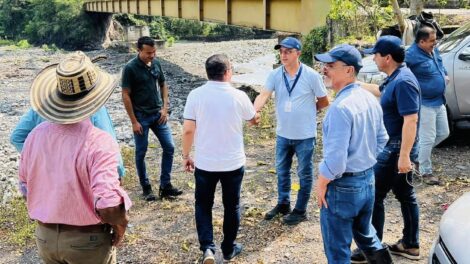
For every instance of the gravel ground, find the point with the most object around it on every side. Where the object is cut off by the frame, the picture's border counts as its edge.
(164, 231)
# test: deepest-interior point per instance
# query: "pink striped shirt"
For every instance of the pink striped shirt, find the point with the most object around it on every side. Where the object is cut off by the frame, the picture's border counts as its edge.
(69, 171)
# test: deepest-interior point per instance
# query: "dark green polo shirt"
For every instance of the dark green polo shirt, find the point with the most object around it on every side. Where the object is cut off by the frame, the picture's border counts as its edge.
(144, 83)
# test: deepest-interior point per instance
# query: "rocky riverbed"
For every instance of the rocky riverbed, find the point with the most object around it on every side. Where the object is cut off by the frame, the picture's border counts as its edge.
(164, 231)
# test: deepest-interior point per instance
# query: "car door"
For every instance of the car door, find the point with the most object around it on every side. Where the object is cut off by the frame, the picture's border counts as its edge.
(462, 79)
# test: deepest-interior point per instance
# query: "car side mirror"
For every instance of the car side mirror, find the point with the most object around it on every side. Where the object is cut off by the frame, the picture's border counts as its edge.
(464, 56)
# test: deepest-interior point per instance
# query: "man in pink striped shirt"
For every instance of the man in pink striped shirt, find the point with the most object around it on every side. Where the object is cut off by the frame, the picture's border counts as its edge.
(68, 167)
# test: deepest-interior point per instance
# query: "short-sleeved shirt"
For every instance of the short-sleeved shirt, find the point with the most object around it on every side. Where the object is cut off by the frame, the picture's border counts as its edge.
(430, 73)
(400, 97)
(301, 121)
(219, 111)
(144, 83)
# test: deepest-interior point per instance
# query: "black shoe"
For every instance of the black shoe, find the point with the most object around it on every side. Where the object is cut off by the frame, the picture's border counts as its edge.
(148, 193)
(381, 256)
(295, 217)
(208, 257)
(279, 209)
(357, 256)
(237, 249)
(169, 191)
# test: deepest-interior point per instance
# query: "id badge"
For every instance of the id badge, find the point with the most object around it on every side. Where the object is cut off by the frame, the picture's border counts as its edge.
(288, 106)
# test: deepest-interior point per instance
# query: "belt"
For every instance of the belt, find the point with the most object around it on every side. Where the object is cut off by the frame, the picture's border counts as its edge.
(361, 173)
(99, 228)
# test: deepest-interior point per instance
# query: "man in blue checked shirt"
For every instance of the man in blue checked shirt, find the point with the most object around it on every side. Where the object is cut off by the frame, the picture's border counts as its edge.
(31, 119)
(353, 135)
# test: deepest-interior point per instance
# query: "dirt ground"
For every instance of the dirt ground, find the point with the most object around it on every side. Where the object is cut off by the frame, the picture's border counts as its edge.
(164, 231)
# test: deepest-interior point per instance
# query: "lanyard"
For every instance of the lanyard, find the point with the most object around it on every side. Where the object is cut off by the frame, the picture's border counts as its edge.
(289, 89)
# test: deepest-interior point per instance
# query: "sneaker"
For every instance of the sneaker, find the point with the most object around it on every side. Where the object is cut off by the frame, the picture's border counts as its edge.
(409, 253)
(208, 257)
(237, 249)
(295, 217)
(357, 256)
(430, 179)
(169, 191)
(279, 209)
(147, 193)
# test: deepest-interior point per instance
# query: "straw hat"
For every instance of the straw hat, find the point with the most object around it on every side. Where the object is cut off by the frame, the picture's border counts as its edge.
(72, 90)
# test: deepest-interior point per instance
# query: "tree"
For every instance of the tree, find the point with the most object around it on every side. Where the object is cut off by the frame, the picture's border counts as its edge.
(416, 6)
(398, 15)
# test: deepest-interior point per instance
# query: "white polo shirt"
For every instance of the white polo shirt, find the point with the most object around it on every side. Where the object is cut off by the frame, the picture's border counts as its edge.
(219, 111)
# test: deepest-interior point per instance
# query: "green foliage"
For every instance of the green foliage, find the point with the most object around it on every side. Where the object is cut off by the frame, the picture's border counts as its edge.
(314, 42)
(23, 44)
(51, 47)
(360, 18)
(170, 41)
(13, 16)
(6, 42)
(15, 224)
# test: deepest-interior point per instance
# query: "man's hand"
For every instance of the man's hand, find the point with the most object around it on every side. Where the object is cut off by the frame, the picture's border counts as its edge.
(118, 234)
(320, 188)
(137, 128)
(255, 120)
(163, 116)
(404, 164)
(188, 164)
(447, 79)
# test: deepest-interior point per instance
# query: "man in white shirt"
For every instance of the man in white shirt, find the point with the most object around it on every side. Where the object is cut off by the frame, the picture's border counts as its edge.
(213, 120)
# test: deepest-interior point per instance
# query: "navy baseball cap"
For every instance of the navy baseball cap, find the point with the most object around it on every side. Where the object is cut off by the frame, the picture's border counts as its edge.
(290, 43)
(345, 53)
(386, 45)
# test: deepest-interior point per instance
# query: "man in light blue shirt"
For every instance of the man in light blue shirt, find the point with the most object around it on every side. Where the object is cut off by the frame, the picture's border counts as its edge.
(299, 94)
(353, 135)
(31, 119)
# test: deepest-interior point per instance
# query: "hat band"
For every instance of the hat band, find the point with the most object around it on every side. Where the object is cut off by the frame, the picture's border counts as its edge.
(77, 96)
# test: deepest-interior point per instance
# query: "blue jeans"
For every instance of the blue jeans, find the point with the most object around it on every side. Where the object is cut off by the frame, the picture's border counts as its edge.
(163, 133)
(387, 178)
(285, 150)
(206, 181)
(350, 202)
(433, 129)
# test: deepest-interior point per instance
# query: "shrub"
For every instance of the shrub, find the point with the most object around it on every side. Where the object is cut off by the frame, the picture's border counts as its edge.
(314, 42)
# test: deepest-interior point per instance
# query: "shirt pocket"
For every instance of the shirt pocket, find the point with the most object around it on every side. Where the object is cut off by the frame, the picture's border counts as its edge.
(425, 68)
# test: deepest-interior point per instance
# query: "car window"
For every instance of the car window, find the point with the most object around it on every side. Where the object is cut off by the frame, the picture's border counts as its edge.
(454, 39)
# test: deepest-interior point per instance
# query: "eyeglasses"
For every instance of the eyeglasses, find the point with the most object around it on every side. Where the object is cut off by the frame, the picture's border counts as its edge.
(331, 66)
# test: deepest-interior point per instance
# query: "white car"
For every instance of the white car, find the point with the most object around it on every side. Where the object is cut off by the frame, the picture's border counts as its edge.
(453, 242)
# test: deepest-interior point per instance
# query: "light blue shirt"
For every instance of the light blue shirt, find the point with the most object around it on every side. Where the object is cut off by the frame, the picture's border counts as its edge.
(301, 121)
(353, 133)
(31, 119)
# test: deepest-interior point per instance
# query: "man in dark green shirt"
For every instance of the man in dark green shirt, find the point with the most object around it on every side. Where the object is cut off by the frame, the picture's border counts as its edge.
(145, 97)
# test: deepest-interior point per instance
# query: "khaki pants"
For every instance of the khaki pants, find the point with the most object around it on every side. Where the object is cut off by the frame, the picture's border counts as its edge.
(58, 246)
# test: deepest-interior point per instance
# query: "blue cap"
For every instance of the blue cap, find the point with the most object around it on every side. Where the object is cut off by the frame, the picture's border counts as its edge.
(290, 43)
(345, 53)
(386, 45)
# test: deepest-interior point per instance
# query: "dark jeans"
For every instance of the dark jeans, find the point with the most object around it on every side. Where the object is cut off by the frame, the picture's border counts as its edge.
(206, 181)
(163, 133)
(387, 178)
(350, 202)
(285, 150)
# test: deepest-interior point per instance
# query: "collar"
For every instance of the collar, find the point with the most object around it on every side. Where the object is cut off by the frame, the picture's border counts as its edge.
(347, 87)
(219, 84)
(287, 74)
(142, 64)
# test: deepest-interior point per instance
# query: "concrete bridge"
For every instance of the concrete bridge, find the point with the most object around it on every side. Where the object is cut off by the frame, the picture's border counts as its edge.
(296, 16)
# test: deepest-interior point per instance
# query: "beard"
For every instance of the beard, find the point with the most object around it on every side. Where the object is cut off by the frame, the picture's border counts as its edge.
(327, 81)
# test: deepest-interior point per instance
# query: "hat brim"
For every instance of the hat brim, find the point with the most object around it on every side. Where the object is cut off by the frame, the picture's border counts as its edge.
(369, 51)
(325, 58)
(46, 101)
